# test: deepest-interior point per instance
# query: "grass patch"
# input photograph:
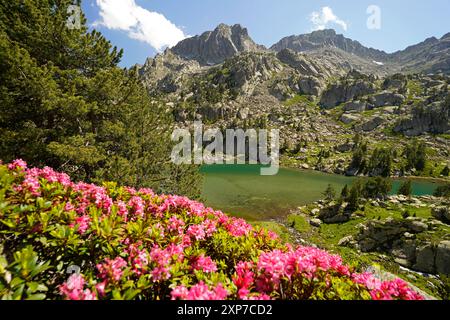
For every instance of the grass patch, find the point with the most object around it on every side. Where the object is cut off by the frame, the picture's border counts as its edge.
(274, 227)
(299, 223)
(299, 100)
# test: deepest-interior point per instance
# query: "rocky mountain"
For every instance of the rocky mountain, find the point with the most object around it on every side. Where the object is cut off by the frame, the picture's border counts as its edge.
(213, 47)
(430, 56)
(328, 39)
(319, 90)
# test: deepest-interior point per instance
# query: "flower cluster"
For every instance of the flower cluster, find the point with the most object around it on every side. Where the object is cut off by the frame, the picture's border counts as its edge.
(73, 289)
(200, 291)
(137, 244)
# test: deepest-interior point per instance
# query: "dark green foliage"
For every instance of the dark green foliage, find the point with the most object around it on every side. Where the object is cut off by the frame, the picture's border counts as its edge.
(370, 188)
(344, 192)
(376, 188)
(65, 103)
(406, 188)
(353, 198)
(444, 287)
(406, 214)
(416, 155)
(443, 191)
(445, 172)
(359, 161)
(329, 193)
(380, 163)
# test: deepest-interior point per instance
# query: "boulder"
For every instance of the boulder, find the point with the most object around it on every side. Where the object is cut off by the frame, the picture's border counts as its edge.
(441, 213)
(346, 147)
(315, 222)
(310, 86)
(346, 241)
(387, 99)
(443, 258)
(425, 259)
(372, 124)
(356, 106)
(334, 213)
(367, 245)
(405, 253)
(348, 118)
(418, 226)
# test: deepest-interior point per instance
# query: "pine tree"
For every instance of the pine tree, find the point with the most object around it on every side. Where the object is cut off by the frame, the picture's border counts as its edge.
(329, 193)
(406, 188)
(416, 155)
(344, 192)
(65, 103)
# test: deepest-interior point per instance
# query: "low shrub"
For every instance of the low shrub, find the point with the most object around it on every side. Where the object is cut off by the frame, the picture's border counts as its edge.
(134, 244)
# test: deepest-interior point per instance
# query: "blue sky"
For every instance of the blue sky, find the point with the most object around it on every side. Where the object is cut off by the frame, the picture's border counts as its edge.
(142, 27)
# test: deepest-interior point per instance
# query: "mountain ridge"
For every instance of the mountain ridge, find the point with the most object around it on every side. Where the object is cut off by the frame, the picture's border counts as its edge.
(225, 41)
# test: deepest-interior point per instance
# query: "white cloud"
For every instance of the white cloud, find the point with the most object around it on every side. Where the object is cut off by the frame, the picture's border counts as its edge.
(324, 18)
(139, 23)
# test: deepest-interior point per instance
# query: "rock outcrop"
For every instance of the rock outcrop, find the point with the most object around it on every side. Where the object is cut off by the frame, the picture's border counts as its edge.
(398, 237)
(387, 99)
(433, 119)
(343, 92)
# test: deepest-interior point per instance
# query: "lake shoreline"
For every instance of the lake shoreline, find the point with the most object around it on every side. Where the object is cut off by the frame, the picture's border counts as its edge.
(241, 190)
(427, 179)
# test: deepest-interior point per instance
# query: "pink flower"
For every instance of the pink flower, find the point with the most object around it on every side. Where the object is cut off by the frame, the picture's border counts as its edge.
(83, 223)
(160, 273)
(160, 256)
(176, 251)
(101, 288)
(146, 191)
(238, 227)
(138, 258)
(186, 242)
(111, 269)
(205, 264)
(69, 207)
(73, 289)
(137, 206)
(210, 226)
(200, 291)
(272, 235)
(32, 185)
(17, 164)
(196, 231)
(123, 211)
(244, 278)
(180, 293)
(175, 224)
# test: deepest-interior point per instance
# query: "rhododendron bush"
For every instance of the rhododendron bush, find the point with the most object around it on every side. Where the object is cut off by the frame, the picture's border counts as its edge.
(134, 244)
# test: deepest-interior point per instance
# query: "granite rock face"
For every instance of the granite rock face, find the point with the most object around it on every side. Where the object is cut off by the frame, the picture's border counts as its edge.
(214, 47)
(433, 119)
(343, 92)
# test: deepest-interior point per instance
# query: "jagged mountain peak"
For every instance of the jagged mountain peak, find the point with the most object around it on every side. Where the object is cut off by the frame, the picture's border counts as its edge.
(327, 38)
(446, 36)
(214, 47)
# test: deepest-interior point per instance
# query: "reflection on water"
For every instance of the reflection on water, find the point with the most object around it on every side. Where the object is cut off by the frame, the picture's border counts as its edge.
(241, 190)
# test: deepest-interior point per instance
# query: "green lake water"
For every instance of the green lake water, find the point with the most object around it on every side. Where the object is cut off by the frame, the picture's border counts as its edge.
(240, 190)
